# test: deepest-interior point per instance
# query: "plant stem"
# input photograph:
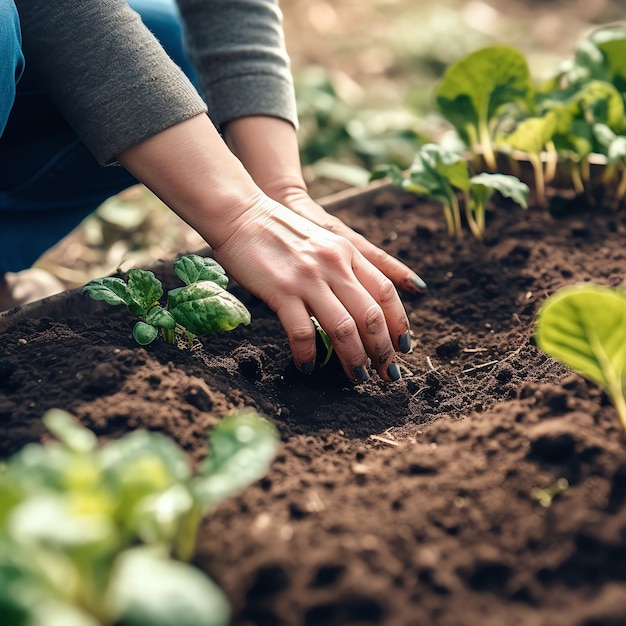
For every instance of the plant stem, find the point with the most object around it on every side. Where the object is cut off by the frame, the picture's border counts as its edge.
(577, 181)
(540, 188)
(456, 215)
(551, 161)
(487, 146)
(187, 534)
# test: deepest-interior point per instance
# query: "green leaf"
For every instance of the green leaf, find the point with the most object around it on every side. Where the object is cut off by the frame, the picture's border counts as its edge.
(531, 134)
(158, 316)
(193, 268)
(584, 327)
(601, 102)
(328, 344)
(144, 333)
(66, 429)
(204, 308)
(241, 448)
(112, 290)
(508, 186)
(57, 520)
(474, 90)
(150, 590)
(388, 170)
(144, 288)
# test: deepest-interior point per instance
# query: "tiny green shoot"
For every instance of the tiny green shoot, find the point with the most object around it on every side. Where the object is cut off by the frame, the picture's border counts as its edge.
(328, 344)
(201, 307)
(584, 327)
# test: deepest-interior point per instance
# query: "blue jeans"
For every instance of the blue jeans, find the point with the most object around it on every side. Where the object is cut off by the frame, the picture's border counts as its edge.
(49, 181)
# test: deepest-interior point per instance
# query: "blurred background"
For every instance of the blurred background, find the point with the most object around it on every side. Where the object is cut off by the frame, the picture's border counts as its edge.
(364, 72)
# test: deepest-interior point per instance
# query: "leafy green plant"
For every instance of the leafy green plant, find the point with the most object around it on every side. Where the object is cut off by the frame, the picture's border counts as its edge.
(584, 327)
(201, 307)
(444, 175)
(97, 536)
(475, 93)
(491, 102)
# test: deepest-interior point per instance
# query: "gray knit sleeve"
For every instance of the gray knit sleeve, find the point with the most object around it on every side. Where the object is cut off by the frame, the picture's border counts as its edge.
(111, 79)
(238, 50)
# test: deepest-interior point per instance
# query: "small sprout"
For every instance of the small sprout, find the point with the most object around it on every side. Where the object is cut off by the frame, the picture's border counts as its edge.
(443, 175)
(545, 495)
(201, 307)
(328, 344)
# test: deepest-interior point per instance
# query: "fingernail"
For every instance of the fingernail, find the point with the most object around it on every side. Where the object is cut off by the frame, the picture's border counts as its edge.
(360, 373)
(394, 371)
(418, 282)
(404, 342)
(308, 367)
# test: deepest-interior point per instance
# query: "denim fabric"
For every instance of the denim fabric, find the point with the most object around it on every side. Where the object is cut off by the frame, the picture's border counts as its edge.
(11, 58)
(49, 181)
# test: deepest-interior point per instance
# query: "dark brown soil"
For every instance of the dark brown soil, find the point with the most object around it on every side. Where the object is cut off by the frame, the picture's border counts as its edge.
(412, 503)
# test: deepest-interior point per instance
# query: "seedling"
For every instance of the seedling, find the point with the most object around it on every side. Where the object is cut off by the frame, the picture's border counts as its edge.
(476, 91)
(584, 327)
(328, 344)
(444, 175)
(489, 99)
(97, 536)
(201, 307)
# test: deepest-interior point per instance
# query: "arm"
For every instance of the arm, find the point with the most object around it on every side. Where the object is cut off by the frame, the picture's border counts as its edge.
(268, 149)
(298, 268)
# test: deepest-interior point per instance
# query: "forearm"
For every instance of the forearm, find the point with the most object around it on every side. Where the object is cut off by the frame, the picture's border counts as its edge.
(268, 148)
(190, 168)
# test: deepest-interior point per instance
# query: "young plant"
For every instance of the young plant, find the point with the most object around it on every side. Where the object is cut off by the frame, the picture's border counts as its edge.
(531, 136)
(94, 536)
(584, 327)
(443, 175)
(477, 90)
(482, 188)
(201, 307)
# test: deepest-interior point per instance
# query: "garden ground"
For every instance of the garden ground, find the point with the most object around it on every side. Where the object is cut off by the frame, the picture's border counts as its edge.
(488, 486)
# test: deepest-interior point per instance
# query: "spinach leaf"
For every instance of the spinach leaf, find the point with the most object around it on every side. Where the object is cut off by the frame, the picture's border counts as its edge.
(584, 327)
(474, 91)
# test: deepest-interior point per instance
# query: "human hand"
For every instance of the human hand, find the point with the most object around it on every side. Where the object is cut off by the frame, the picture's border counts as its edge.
(300, 269)
(298, 200)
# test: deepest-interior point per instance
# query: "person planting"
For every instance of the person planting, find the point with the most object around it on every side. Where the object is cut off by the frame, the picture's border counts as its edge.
(111, 80)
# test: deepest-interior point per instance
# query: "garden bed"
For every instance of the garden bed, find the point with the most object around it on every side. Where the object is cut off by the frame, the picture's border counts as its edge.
(436, 500)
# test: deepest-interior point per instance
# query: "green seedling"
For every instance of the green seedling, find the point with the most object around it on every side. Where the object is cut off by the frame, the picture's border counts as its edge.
(328, 344)
(201, 307)
(444, 175)
(100, 535)
(478, 90)
(531, 136)
(584, 327)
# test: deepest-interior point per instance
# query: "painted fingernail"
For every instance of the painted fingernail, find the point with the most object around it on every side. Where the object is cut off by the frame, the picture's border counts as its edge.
(360, 373)
(394, 372)
(404, 342)
(418, 282)
(308, 367)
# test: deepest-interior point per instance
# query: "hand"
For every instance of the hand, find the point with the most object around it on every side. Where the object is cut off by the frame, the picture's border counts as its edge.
(301, 270)
(298, 199)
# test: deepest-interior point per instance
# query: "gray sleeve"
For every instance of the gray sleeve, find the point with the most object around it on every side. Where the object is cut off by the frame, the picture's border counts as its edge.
(238, 50)
(111, 79)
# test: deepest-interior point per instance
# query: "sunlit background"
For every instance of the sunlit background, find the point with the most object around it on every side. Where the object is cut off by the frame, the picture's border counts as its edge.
(364, 73)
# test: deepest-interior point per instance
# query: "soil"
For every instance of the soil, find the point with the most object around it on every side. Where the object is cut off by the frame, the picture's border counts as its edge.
(412, 503)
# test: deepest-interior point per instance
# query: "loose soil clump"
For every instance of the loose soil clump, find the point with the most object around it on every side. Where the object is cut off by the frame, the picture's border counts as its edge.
(488, 486)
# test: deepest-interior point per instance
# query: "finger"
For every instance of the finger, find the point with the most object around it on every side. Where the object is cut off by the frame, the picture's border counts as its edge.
(342, 331)
(385, 294)
(300, 331)
(404, 277)
(372, 325)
